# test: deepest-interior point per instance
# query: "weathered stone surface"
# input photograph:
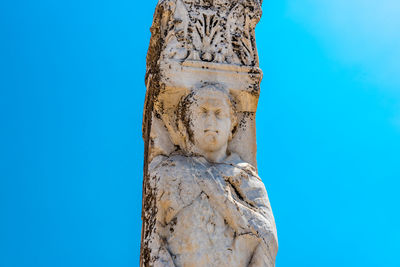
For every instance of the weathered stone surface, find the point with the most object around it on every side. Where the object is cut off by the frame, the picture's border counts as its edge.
(203, 202)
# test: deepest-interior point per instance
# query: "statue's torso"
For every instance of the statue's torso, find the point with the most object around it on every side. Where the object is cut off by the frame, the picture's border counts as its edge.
(195, 232)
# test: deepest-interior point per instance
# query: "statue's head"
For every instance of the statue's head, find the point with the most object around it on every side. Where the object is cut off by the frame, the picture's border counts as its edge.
(207, 120)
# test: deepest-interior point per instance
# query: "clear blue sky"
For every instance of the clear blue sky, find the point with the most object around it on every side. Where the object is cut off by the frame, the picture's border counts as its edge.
(71, 98)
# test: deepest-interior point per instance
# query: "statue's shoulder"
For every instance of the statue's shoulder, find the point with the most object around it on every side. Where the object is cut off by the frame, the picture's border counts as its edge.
(236, 161)
(169, 163)
(169, 172)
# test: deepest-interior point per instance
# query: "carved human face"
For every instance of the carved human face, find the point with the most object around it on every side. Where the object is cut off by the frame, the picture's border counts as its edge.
(211, 122)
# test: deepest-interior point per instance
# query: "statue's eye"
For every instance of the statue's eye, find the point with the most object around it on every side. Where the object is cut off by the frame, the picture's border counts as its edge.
(204, 111)
(218, 113)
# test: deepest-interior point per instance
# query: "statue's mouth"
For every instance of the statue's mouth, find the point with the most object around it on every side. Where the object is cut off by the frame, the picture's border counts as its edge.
(211, 131)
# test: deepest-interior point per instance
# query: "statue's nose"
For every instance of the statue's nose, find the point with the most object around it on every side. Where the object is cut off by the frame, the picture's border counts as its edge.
(210, 121)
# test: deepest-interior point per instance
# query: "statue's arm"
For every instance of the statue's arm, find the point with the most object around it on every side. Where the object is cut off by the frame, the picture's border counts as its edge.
(158, 249)
(252, 193)
(257, 220)
(159, 254)
(245, 207)
(256, 206)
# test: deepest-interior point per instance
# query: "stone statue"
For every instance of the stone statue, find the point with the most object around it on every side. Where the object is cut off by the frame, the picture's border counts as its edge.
(213, 209)
(203, 202)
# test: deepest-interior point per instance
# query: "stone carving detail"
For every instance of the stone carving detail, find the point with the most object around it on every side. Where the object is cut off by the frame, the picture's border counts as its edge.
(212, 31)
(203, 201)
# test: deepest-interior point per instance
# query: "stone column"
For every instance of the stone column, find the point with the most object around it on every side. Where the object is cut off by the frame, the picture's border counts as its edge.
(203, 202)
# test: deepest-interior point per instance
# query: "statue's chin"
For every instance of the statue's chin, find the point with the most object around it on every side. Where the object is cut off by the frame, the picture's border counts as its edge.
(214, 148)
(210, 141)
(210, 146)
